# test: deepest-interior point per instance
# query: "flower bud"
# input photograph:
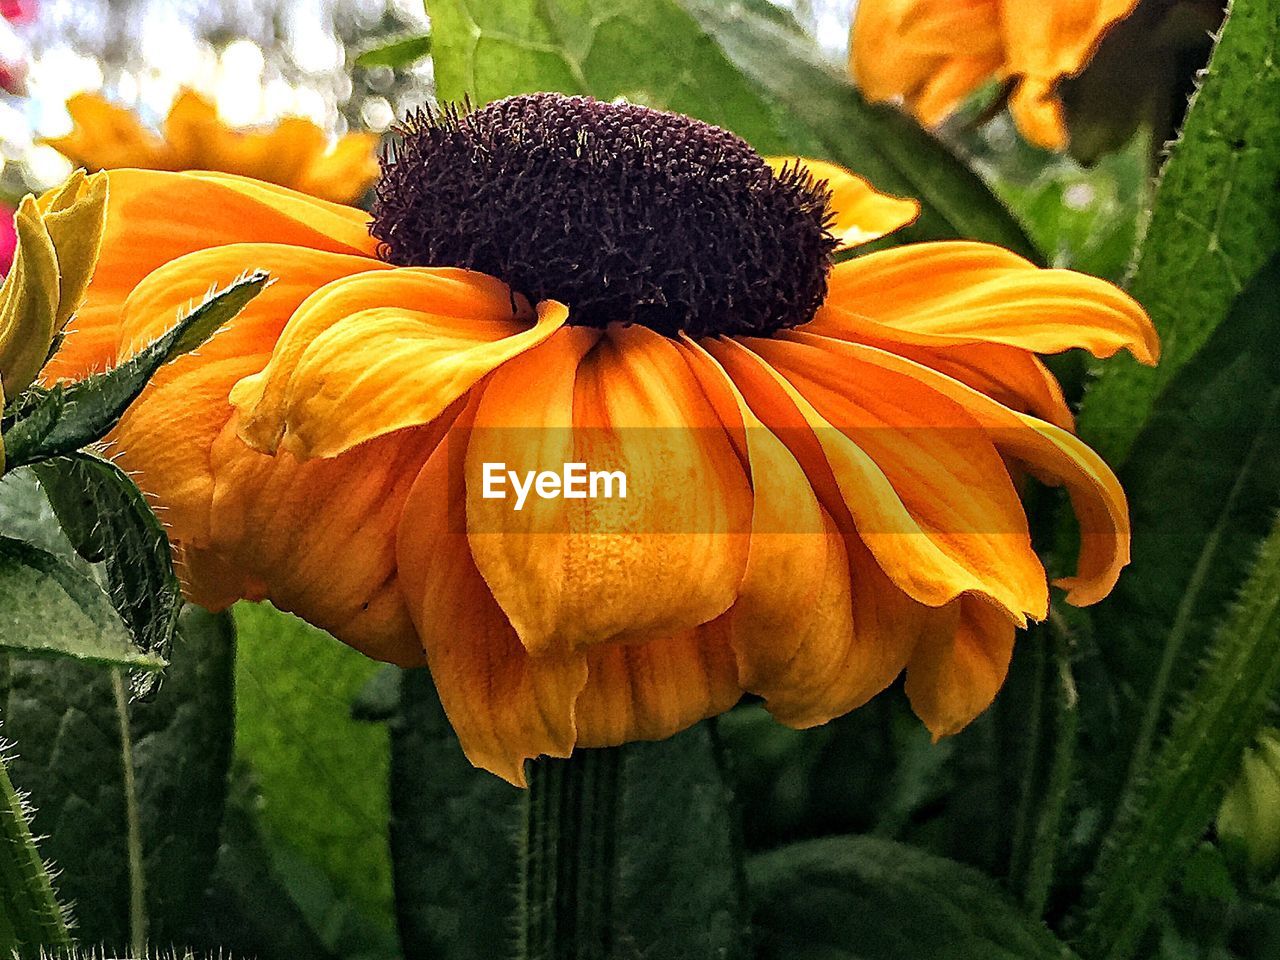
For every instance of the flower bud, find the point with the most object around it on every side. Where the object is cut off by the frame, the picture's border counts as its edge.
(1249, 818)
(57, 246)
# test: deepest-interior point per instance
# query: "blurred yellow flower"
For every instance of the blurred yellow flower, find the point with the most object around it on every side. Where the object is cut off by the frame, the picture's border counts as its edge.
(822, 459)
(932, 54)
(295, 153)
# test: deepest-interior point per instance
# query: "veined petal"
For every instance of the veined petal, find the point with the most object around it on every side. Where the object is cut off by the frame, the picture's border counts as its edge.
(862, 213)
(505, 705)
(573, 572)
(956, 672)
(381, 351)
(818, 628)
(141, 234)
(318, 537)
(955, 292)
(1054, 455)
(942, 525)
(652, 690)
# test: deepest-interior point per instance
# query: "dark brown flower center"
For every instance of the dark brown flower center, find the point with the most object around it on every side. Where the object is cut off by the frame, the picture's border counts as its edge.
(625, 214)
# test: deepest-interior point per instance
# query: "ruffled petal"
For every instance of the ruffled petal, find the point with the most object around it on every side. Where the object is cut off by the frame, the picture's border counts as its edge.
(1045, 42)
(957, 292)
(818, 628)
(956, 672)
(141, 234)
(381, 351)
(936, 509)
(317, 537)
(661, 560)
(1053, 455)
(930, 53)
(861, 213)
(653, 690)
(167, 435)
(505, 705)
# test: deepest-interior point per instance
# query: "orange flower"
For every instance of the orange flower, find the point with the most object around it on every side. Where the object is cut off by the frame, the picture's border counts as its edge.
(821, 460)
(295, 153)
(934, 53)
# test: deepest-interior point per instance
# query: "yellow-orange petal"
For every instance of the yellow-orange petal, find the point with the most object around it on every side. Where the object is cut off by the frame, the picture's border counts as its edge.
(818, 628)
(941, 465)
(1038, 114)
(1015, 377)
(318, 537)
(107, 136)
(505, 705)
(861, 213)
(953, 292)
(652, 690)
(1055, 456)
(957, 670)
(142, 233)
(383, 350)
(168, 433)
(345, 171)
(942, 525)
(661, 560)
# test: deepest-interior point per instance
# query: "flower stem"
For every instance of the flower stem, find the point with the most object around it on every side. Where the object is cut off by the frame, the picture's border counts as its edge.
(568, 857)
(30, 916)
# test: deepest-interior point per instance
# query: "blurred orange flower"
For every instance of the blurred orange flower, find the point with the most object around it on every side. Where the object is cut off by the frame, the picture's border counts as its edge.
(822, 459)
(932, 54)
(294, 153)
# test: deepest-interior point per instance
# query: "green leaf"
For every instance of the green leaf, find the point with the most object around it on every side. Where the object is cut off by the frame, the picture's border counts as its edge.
(108, 522)
(1180, 790)
(30, 915)
(267, 901)
(63, 718)
(69, 417)
(739, 68)
(322, 775)
(453, 837)
(50, 609)
(1214, 224)
(398, 53)
(863, 898)
(1209, 457)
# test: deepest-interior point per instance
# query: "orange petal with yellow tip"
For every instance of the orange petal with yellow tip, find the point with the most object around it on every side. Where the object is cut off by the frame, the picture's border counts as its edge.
(1054, 455)
(954, 292)
(818, 628)
(505, 705)
(574, 572)
(381, 351)
(142, 233)
(345, 171)
(957, 670)
(861, 213)
(652, 690)
(940, 515)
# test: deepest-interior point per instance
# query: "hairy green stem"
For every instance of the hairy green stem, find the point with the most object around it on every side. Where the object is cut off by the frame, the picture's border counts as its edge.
(30, 917)
(568, 853)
